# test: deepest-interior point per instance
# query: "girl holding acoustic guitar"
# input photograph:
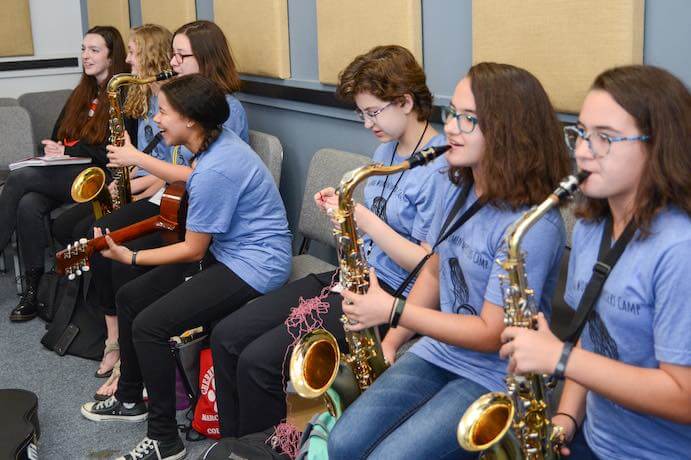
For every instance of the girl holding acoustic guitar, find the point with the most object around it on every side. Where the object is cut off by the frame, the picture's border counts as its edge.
(234, 249)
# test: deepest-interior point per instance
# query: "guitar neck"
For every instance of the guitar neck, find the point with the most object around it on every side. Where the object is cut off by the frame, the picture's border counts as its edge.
(127, 233)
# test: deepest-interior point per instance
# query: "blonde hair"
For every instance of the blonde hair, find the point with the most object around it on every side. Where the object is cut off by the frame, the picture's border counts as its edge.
(153, 53)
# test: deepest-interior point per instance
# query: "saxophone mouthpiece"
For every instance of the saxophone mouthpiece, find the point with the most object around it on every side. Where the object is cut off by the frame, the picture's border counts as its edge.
(570, 184)
(166, 74)
(425, 156)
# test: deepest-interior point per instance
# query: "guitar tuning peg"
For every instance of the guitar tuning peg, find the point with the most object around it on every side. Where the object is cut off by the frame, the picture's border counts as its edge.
(86, 268)
(71, 276)
(79, 272)
(68, 252)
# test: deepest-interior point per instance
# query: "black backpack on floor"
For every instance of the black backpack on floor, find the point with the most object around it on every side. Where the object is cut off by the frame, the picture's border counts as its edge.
(78, 327)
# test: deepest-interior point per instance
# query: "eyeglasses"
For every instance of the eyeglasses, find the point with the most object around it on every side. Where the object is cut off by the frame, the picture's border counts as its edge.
(179, 57)
(466, 123)
(372, 115)
(599, 143)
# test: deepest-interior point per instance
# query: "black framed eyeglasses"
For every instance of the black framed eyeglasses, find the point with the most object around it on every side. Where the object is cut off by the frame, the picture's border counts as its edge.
(180, 58)
(598, 143)
(465, 122)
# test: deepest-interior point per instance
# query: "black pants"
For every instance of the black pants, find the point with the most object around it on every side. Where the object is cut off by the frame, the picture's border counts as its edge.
(74, 223)
(108, 276)
(248, 350)
(28, 196)
(160, 304)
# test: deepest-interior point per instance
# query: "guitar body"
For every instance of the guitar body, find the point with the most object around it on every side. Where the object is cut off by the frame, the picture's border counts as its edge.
(19, 428)
(75, 259)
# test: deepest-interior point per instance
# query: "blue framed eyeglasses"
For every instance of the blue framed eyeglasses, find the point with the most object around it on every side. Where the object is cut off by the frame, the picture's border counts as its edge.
(598, 143)
(465, 122)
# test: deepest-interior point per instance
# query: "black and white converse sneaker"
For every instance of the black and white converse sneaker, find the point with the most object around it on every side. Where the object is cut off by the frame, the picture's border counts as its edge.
(112, 409)
(151, 449)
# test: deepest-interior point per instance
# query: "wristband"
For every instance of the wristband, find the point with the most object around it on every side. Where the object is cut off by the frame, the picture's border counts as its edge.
(561, 365)
(134, 258)
(573, 419)
(396, 312)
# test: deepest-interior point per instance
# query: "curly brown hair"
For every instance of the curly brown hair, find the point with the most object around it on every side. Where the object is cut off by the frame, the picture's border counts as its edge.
(389, 73)
(153, 55)
(661, 105)
(525, 155)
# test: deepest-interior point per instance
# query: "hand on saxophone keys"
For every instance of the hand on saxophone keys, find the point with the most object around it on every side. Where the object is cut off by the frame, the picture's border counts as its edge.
(531, 351)
(367, 310)
(127, 155)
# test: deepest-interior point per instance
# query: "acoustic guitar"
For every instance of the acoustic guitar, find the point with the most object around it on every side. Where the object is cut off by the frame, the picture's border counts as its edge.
(74, 260)
(19, 428)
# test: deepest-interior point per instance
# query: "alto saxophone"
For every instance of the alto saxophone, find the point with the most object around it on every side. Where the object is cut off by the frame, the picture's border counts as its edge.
(90, 184)
(517, 424)
(317, 367)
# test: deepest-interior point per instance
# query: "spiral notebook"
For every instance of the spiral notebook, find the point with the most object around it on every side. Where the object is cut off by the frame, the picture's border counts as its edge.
(49, 161)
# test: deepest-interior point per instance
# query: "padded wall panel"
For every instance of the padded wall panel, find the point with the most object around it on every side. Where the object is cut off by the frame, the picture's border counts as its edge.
(114, 13)
(347, 29)
(565, 43)
(257, 32)
(15, 28)
(168, 13)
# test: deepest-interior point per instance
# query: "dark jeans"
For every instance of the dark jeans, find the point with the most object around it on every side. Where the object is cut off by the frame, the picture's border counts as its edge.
(28, 196)
(251, 352)
(580, 450)
(74, 223)
(108, 276)
(156, 306)
(411, 411)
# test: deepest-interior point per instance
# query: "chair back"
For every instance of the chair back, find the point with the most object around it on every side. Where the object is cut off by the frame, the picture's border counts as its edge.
(326, 170)
(44, 108)
(16, 134)
(270, 150)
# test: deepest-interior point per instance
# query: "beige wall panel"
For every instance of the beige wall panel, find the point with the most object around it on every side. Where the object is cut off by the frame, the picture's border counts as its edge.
(168, 13)
(257, 32)
(565, 43)
(114, 13)
(349, 28)
(15, 28)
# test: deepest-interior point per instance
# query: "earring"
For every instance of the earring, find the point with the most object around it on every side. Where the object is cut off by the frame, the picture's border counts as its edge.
(189, 125)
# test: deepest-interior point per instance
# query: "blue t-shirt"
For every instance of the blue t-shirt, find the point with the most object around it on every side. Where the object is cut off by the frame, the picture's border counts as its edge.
(469, 275)
(410, 200)
(146, 131)
(641, 318)
(233, 197)
(237, 121)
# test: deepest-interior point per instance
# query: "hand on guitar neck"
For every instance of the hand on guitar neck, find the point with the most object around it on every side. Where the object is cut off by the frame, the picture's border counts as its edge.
(74, 260)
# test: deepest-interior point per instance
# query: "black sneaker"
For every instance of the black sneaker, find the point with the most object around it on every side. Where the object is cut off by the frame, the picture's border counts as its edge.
(151, 449)
(112, 409)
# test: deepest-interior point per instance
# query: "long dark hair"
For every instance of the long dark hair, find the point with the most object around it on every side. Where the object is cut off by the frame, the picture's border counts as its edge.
(199, 98)
(661, 106)
(76, 123)
(525, 154)
(210, 48)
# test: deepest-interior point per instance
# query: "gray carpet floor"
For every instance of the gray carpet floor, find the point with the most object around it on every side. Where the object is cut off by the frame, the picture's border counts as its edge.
(62, 385)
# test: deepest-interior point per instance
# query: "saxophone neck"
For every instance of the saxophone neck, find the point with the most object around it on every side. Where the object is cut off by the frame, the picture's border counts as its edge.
(122, 79)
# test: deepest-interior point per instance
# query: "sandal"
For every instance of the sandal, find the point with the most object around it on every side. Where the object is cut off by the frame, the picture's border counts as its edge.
(111, 347)
(115, 374)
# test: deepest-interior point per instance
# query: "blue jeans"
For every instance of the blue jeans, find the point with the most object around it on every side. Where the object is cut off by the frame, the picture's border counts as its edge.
(580, 449)
(411, 411)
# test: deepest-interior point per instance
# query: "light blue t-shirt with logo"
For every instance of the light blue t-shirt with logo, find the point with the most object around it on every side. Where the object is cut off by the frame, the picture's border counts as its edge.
(410, 199)
(146, 131)
(641, 318)
(469, 275)
(233, 197)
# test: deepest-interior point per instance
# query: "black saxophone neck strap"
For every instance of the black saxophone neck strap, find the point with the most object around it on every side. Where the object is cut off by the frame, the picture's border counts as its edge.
(606, 260)
(447, 229)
